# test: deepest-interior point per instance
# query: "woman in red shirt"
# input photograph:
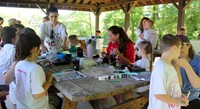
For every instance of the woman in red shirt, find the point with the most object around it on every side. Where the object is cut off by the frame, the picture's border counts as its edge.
(121, 45)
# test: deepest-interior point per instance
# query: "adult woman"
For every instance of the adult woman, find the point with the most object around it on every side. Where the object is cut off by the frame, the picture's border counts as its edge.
(120, 45)
(140, 30)
(190, 72)
(53, 33)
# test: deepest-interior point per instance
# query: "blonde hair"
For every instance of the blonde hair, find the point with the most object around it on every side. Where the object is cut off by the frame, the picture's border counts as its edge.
(12, 21)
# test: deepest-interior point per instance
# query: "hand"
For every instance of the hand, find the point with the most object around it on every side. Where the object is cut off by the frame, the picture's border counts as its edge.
(181, 62)
(183, 101)
(103, 54)
(3, 93)
(43, 49)
(65, 47)
(117, 52)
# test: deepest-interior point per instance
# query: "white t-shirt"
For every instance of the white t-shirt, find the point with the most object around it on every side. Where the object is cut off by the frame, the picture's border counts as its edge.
(138, 33)
(60, 33)
(7, 56)
(30, 78)
(164, 80)
(143, 63)
(150, 35)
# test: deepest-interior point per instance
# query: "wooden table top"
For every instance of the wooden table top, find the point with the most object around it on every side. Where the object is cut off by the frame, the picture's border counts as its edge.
(86, 89)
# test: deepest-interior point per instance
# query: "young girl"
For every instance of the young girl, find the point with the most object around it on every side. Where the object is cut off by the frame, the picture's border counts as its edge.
(140, 30)
(31, 83)
(120, 45)
(144, 49)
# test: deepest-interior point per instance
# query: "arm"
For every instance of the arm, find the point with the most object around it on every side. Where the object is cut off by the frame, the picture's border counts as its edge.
(124, 59)
(192, 76)
(38, 87)
(9, 75)
(178, 73)
(168, 99)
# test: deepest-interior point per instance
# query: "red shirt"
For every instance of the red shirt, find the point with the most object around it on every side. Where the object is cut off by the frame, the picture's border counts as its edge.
(129, 54)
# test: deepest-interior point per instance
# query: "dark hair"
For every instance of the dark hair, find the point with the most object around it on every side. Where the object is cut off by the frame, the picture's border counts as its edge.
(141, 25)
(182, 29)
(27, 30)
(72, 37)
(169, 40)
(98, 31)
(19, 26)
(1, 18)
(199, 35)
(52, 9)
(25, 44)
(146, 45)
(123, 37)
(7, 34)
(46, 18)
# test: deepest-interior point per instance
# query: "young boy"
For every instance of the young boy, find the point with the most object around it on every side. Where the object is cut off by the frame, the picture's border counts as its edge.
(7, 55)
(150, 34)
(165, 85)
(73, 39)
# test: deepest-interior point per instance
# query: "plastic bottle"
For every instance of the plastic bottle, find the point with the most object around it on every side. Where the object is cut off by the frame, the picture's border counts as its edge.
(90, 49)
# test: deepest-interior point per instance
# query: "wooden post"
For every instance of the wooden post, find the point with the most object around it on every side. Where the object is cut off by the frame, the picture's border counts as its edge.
(97, 14)
(181, 14)
(97, 22)
(67, 104)
(127, 10)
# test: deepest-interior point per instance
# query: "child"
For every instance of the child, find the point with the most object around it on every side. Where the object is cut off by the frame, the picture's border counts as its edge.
(150, 34)
(120, 45)
(31, 83)
(73, 39)
(165, 85)
(140, 30)
(7, 55)
(144, 50)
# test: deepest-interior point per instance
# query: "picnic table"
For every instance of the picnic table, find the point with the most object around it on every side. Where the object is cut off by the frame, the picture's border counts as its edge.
(87, 89)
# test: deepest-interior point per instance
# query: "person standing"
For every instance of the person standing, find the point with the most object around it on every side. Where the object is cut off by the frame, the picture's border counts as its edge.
(53, 31)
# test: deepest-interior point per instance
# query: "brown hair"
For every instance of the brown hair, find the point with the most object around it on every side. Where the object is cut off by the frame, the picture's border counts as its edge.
(123, 37)
(191, 52)
(146, 45)
(141, 25)
(169, 40)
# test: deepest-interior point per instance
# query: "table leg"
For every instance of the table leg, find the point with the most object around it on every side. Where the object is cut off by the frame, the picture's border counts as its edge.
(127, 95)
(68, 104)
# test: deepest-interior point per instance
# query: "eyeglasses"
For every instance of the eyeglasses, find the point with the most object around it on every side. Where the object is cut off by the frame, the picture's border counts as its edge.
(182, 44)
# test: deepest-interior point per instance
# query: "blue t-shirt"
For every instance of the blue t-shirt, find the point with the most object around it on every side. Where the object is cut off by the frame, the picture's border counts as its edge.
(195, 64)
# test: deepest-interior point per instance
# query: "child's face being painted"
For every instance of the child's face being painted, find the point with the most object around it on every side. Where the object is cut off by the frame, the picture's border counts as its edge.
(176, 51)
(53, 17)
(113, 38)
(74, 42)
(140, 52)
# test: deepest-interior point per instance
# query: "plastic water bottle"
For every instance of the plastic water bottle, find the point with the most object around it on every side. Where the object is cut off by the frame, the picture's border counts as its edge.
(90, 49)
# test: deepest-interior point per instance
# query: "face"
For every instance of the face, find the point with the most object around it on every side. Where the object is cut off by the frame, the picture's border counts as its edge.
(44, 20)
(75, 42)
(53, 17)
(113, 38)
(35, 52)
(1, 22)
(143, 22)
(185, 50)
(139, 51)
(177, 51)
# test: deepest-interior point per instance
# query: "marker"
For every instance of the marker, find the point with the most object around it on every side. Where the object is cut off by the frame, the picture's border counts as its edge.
(188, 94)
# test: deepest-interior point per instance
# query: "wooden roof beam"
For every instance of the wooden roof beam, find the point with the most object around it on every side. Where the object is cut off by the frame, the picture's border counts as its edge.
(44, 3)
(188, 4)
(120, 2)
(174, 2)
